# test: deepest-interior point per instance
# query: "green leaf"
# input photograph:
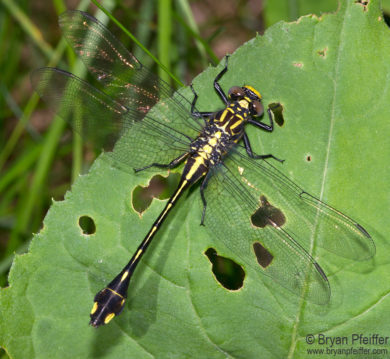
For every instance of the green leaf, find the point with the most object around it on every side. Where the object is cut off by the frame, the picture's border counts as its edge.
(332, 77)
(386, 6)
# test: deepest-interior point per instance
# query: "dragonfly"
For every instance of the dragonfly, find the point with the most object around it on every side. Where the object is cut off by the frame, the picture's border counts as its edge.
(250, 206)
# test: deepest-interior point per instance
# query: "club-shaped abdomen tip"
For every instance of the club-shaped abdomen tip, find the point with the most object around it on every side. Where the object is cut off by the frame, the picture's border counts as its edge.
(107, 305)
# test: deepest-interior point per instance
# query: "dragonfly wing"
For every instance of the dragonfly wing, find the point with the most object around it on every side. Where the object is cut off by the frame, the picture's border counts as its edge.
(264, 206)
(122, 76)
(262, 242)
(100, 119)
(310, 220)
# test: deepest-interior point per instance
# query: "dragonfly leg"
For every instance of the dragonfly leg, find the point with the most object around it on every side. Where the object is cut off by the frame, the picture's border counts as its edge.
(194, 112)
(172, 164)
(218, 87)
(202, 188)
(262, 125)
(252, 155)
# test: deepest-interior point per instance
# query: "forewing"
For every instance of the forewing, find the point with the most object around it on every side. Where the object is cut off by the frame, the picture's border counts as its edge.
(122, 76)
(100, 119)
(268, 249)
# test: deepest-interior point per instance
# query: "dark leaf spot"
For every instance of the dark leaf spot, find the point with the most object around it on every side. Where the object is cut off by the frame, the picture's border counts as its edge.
(226, 271)
(386, 17)
(277, 112)
(267, 214)
(159, 187)
(263, 256)
(87, 225)
(322, 53)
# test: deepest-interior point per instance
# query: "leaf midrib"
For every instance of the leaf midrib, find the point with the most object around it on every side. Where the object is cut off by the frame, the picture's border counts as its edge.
(339, 49)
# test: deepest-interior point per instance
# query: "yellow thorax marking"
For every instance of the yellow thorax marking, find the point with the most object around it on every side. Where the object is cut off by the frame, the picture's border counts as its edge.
(224, 113)
(237, 123)
(222, 127)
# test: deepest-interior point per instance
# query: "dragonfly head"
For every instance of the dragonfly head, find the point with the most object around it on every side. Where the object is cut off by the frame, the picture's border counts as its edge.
(249, 95)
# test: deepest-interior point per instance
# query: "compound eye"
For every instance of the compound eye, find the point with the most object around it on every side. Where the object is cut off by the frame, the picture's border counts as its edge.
(258, 108)
(235, 92)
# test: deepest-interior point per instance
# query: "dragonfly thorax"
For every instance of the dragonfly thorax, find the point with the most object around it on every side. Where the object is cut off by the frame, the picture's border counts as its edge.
(211, 144)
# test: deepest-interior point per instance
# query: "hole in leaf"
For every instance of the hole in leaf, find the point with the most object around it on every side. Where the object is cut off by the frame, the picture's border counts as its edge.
(87, 225)
(277, 111)
(386, 17)
(267, 214)
(226, 271)
(363, 3)
(159, 187)
(322, 53)
(263, 256)
(308, 158)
